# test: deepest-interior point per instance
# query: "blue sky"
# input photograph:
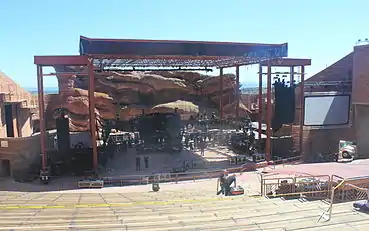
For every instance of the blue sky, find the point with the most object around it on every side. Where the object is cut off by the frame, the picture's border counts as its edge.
(323, 30)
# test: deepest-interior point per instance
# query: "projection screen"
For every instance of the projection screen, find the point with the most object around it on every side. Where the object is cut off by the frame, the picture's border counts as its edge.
(327, 110)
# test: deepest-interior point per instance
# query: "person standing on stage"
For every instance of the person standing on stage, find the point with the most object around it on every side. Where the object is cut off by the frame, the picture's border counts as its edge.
(138, 163)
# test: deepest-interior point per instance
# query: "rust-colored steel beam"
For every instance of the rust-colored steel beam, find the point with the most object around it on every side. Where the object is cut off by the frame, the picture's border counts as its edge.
(302, 111)
(238, 92)
(268, 148)
(221, 94)
(41, 108)
(292, 75)
(260, 103)
(66, 74)
(287, 62)
(92, 116)
(67, 60)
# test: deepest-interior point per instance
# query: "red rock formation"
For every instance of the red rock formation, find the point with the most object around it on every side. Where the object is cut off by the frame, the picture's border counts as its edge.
(230, 110)
(75, 101)
(145, 89)
(186, 109)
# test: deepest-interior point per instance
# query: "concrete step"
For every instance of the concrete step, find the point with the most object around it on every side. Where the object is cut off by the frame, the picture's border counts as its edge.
(153, 220)
(144, 209)
(187, 209)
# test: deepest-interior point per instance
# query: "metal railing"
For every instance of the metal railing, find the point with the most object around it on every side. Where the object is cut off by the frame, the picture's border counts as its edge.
(348, 189)
(184, 176)
(310, 186)
(160, 178)
(345, 190)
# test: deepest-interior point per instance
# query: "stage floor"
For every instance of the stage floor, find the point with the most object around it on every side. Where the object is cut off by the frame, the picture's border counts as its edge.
(357, 168)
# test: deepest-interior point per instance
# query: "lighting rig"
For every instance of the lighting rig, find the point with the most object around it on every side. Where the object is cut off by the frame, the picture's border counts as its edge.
(143, 69)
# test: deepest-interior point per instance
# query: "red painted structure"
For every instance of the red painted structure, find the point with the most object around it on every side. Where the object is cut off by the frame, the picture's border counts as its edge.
(291, 63)
(99, 55)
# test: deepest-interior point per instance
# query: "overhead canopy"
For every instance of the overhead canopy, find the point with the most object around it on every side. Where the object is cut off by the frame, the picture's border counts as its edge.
(120, 53)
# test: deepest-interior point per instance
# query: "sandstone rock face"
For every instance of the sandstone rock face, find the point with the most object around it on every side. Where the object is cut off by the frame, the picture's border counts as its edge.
(66, 83)
(186, 109)
(230, 110)
(125, 95)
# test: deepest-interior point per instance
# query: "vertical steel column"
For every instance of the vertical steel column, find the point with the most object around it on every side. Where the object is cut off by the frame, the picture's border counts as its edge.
(302, 111)
(268, 149)
(238, 92)
(221, 95)
(260, 101)
(292, 75)
(292, 83)
(92, 116)
(41, 109)
(15, 115)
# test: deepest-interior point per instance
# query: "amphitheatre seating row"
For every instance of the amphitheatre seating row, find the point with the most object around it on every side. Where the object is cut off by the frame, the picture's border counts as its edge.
(177, 210)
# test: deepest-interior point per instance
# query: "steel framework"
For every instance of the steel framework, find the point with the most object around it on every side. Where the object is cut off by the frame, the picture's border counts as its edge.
(291, 63)
(102, 55)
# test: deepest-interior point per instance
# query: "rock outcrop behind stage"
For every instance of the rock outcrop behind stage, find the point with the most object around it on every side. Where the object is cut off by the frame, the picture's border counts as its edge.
(126, 94)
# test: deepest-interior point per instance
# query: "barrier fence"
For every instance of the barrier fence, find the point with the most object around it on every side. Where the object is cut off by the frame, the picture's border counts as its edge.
(188, 175)
(184, 176)
(345, 190)
(350, 189)
(312, 187)
(160, 178)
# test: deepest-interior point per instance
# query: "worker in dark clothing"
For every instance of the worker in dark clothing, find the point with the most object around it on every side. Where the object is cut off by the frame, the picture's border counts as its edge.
(221, 182)
(146, 160)
(227, 187)
(225, 182)
(213, 116)
(187, 141)
(202, 146)
(138, 163)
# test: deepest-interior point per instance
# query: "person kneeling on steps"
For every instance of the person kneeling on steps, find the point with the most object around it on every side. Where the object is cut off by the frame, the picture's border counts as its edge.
(225, 182)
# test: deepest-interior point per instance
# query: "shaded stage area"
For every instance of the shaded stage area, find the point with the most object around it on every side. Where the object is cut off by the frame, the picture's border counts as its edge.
(162, 162)
(122, 168)
(356, 168)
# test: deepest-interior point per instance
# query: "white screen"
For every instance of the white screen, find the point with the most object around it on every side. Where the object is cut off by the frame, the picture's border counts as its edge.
(326, 110)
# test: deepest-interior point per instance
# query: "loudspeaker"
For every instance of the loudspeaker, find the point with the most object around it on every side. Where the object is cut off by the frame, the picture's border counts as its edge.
(284, 105)
(62, 131)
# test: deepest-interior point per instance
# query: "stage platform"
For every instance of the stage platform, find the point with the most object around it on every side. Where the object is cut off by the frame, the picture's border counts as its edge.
(123, 164)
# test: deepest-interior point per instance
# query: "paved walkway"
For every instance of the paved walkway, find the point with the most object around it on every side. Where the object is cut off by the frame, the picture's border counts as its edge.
(357, 168)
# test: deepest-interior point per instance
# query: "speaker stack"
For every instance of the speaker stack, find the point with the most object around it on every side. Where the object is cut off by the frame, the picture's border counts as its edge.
(284, 104)
(62, 131)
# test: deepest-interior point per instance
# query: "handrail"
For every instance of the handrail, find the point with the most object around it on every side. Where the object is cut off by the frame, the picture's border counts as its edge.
(357, 187)
(164, 173)
(356, 178)
(329, 211)
(343, 182)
